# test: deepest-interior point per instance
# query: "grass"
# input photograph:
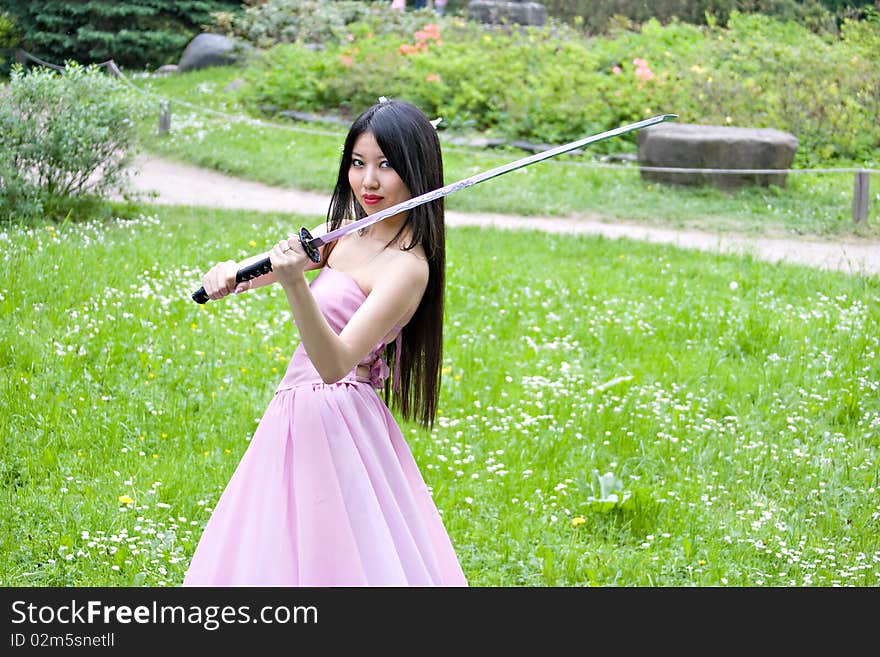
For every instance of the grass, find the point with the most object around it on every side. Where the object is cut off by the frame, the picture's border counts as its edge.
(613, 413)
(294, 155)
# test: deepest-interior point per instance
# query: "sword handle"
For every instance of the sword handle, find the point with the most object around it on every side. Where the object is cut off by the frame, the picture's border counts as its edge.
(264, 266)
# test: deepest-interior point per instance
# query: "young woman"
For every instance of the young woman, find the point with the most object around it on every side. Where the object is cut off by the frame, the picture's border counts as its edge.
(328, 493)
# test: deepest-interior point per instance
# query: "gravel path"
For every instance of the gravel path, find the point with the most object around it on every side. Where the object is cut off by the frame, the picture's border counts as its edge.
(172, 183)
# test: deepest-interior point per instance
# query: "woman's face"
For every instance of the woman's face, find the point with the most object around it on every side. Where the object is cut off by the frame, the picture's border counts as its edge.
(375, 184)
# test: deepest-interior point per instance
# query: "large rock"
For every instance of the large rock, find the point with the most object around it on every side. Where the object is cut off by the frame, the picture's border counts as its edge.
(687, 145)
(211, 50)
(493, 12)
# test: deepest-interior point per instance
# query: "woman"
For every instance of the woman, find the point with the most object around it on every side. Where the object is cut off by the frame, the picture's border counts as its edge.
(328, 493)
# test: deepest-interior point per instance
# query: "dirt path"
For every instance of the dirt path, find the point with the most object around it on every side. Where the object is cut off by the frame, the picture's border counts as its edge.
(180, 184)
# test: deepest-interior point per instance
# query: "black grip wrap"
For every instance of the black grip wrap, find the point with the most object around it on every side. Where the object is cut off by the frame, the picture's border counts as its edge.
(253, 270)
(200, 296)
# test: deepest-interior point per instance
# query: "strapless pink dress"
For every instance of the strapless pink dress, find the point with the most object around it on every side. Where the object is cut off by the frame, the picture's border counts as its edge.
(327, 492)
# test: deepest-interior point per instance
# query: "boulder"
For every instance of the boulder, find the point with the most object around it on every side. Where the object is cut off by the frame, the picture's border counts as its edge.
(493, 12)
(211, 50)
(693, 146)
(167, 69)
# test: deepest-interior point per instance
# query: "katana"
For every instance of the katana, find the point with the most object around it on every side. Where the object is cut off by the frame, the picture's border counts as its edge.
(310, 244)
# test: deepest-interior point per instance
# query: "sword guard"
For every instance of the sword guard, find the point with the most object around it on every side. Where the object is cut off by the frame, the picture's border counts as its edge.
(305, 238)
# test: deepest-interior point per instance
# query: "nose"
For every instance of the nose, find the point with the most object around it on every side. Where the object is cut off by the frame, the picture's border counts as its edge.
(371, 180)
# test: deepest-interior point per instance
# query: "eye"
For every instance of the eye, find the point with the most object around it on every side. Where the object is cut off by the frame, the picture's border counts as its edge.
(385, 164)
(356, 162)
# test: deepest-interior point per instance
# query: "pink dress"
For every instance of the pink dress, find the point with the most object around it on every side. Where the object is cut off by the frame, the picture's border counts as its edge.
(328, 492)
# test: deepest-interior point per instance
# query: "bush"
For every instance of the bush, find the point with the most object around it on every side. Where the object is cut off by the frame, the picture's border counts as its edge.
(545, 86)
(64, 137)
(315, 21)
(8, 40)
(598, 16)
(147, 33)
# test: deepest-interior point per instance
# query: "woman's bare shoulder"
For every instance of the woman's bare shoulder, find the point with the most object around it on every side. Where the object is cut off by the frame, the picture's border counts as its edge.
(413, 262)
(399, 266)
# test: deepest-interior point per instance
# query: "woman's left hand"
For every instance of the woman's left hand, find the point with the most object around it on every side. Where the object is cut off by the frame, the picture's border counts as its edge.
(288, 260)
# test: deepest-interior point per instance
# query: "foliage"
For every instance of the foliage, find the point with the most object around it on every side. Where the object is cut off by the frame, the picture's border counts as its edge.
(8, 39)
(600, 16)
(760, 72)
(529, 84)
(315, 21)
(147, 33)
(63, 137)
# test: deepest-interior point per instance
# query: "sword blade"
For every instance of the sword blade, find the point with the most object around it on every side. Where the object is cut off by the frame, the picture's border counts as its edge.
(446, 190)
(310, 244)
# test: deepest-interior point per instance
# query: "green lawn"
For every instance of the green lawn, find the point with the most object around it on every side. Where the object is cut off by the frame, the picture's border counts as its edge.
(612, 412)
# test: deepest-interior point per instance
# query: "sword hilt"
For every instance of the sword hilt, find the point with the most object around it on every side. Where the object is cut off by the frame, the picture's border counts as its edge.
(305, 239)
(264, 266)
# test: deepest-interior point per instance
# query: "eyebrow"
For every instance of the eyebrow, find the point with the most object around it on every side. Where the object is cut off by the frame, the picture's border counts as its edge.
(356, 154)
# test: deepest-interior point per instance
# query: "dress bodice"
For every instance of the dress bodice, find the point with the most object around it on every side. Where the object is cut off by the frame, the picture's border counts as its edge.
(338, 297)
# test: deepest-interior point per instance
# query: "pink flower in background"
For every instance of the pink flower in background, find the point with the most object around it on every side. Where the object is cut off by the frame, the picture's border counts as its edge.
(346, 60)
(616, 70)
(643, 71)
(430, 33)
(432, 77)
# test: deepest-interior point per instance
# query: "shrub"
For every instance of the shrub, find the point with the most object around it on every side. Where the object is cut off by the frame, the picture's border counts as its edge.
(63, 137)
(8, 39)
(598, 16)
(544, 86)
(133, 34)
(315, 21)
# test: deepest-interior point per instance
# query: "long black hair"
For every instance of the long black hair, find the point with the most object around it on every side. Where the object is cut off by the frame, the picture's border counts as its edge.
(409, 142)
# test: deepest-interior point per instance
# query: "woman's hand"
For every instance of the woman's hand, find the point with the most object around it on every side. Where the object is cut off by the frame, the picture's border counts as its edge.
(288, 260)
(220, 280)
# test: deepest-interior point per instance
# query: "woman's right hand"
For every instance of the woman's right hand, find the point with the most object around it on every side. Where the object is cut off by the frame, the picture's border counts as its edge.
(220, 280)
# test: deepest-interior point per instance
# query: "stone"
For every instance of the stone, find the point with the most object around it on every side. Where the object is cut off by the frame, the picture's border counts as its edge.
(492, 12)
(167, 69)
(694, 146)
(211, 50)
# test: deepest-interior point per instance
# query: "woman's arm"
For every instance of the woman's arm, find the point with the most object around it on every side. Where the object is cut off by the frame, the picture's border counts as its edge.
(395, 295)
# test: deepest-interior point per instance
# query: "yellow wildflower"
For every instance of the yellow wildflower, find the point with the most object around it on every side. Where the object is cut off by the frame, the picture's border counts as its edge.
(125, 499)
